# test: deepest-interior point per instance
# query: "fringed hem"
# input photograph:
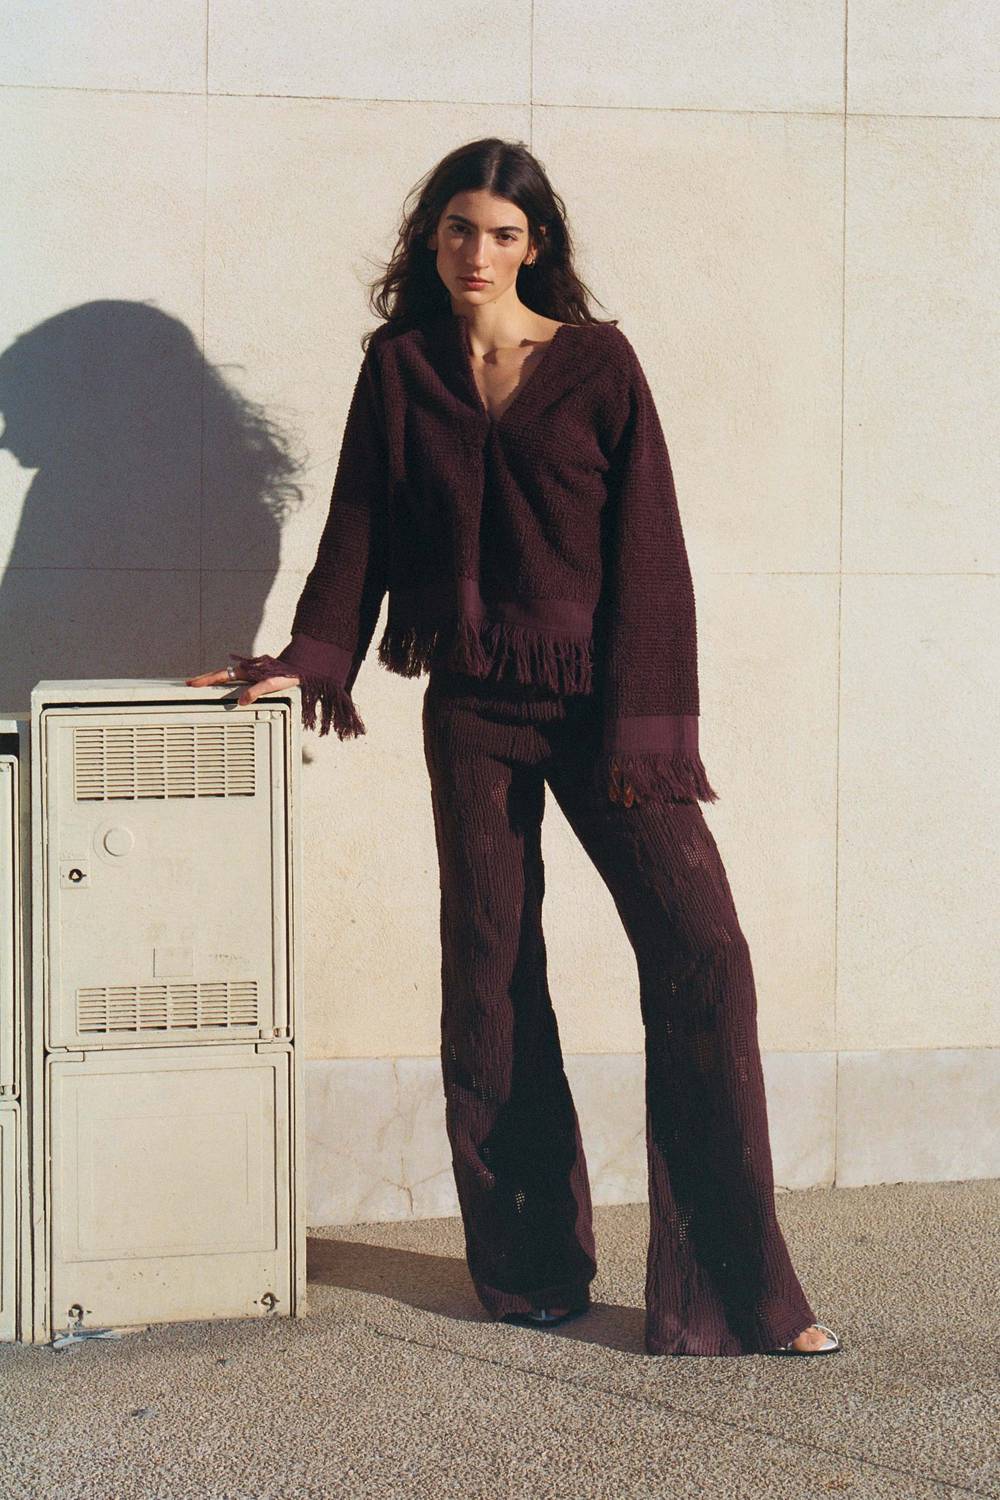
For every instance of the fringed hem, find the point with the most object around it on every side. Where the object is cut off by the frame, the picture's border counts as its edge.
(678, 775)
(483, 647)
(334, 701)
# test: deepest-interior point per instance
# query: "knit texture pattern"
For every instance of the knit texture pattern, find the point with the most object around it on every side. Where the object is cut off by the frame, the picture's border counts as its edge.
(718, 1276)
(543, 547)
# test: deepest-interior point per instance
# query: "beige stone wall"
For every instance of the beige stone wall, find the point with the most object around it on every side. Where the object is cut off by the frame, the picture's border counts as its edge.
(797, 230)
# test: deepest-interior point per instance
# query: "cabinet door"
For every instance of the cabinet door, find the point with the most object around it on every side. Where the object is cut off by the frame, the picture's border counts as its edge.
(9, 916)
(170, 1192)
(9, 1222)
(165, 859)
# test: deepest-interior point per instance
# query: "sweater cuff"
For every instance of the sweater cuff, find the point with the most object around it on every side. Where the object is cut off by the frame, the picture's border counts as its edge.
(654, 755)
(321, 668)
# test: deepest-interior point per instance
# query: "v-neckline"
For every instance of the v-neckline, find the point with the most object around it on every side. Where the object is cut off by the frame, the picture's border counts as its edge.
(466, 347)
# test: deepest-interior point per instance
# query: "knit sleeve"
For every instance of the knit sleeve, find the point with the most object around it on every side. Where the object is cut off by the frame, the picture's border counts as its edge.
(650, 728)
(339, 606)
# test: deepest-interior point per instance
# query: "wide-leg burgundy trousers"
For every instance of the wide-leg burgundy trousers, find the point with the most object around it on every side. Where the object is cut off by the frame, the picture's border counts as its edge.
(718, 1275)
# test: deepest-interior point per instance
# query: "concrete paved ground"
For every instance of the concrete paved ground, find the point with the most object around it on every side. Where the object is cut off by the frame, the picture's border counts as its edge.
(398, 1384)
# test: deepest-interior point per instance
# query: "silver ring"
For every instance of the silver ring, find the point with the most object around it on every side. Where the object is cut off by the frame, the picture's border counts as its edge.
(231, 672)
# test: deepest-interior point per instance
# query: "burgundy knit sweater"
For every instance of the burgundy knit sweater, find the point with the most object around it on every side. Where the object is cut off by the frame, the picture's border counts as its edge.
(543, 546)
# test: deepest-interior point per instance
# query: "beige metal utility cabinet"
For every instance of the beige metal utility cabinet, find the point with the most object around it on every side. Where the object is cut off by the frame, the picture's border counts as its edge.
(166, 1037)
(15, 1229)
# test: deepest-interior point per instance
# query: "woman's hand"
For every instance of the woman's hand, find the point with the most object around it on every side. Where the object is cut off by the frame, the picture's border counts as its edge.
(255, 690)
(619, 789)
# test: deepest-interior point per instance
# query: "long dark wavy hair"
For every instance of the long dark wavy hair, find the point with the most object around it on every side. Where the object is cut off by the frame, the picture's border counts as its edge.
(409, 291)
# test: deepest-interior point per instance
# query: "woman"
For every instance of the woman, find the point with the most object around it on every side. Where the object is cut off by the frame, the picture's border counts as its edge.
(504, 477)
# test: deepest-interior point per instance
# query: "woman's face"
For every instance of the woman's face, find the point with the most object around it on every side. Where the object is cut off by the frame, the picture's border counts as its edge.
(483, 236)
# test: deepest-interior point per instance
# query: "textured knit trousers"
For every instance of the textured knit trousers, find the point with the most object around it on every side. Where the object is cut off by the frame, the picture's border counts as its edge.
(718, 1275)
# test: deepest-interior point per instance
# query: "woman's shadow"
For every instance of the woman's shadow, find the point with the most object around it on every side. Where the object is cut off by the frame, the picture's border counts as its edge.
(149, 536)
(424, 1281)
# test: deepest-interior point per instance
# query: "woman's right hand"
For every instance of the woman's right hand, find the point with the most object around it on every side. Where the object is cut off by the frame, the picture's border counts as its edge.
(254, 690)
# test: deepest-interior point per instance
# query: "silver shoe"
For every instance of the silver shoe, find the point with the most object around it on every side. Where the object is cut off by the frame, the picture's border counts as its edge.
(831, 1345)
(541, 1315)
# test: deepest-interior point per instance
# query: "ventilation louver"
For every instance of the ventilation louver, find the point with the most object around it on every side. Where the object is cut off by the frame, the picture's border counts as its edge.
(163, 760)
(184, 1005)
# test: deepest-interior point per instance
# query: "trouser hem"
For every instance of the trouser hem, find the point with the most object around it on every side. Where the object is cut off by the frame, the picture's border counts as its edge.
(501, 1304)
